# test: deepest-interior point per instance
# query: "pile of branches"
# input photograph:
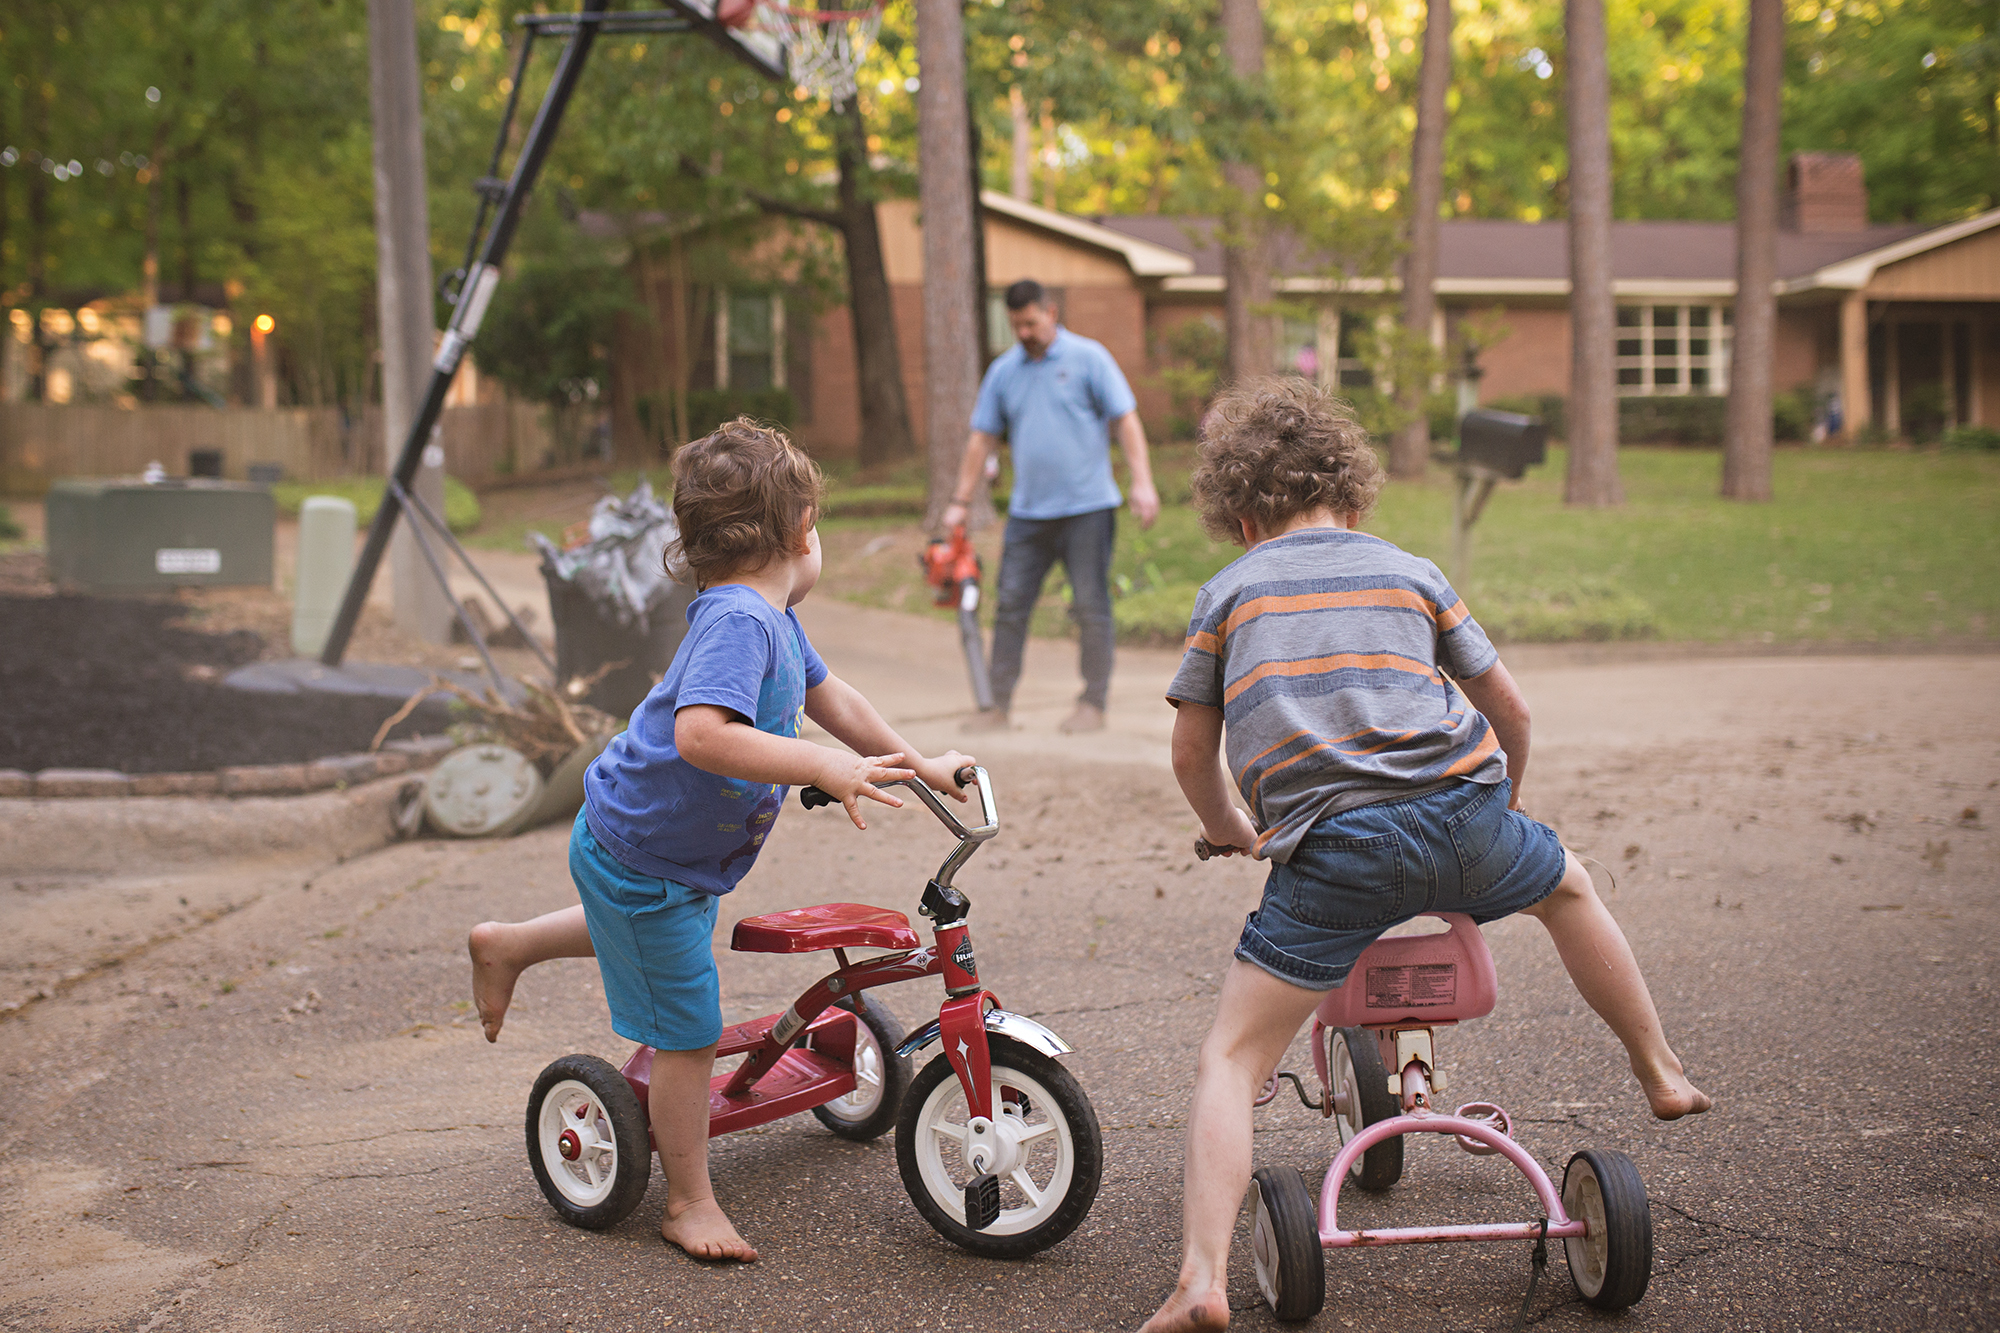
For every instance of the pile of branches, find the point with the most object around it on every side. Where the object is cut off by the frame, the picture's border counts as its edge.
(544, 726)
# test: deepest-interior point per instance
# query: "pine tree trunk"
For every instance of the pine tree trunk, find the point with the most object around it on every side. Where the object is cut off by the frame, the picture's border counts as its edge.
(1246, 251)
(885, 412)
(1412, 445)
(1746, 448)
(1593, 394)
(944, 183)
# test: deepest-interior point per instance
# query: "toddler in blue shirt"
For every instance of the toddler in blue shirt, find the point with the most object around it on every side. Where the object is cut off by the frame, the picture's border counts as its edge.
(679, 804)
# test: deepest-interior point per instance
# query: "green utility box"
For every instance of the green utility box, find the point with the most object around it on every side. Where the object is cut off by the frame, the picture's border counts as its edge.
(130, 536)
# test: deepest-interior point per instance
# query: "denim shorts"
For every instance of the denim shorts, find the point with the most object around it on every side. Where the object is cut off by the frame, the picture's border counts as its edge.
(1357, 873)
(655, 948)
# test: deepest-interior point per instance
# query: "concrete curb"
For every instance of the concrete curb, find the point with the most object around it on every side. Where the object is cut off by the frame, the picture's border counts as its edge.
(337, 773)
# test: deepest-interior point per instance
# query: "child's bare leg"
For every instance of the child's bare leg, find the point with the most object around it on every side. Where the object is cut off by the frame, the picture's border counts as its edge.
(1254, 1022)
(678, 1103)
(1600, 963)
(502, 950)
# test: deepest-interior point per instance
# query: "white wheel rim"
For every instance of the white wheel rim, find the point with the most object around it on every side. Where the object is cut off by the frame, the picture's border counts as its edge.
(587, 1179)
(1040, 1154)
(1583, 1200)
(869, 1079)
(1264, 1250)
(1346, 1085)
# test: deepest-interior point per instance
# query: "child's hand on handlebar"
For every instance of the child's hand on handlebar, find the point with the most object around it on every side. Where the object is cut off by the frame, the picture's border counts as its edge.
(849, 777)
(940, 773)
(1235, 837)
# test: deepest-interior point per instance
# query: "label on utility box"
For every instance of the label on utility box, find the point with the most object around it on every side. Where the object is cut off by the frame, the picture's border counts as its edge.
(186, 560)
(1418, 986)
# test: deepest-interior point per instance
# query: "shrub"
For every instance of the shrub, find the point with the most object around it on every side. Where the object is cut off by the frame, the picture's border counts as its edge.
(1792, 414)
(9, 529)
(1696, 420)
(709, 408)
(1564, 609)
(1971, 437)
(461, 506)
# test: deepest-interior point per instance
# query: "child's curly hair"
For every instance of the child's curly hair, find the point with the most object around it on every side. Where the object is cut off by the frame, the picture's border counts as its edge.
(741, 498)
(1277, 447)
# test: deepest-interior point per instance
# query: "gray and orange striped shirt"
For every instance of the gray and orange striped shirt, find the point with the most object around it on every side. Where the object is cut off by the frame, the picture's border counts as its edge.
(1331, 655)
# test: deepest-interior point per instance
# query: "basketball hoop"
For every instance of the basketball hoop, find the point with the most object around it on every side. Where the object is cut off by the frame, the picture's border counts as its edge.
(824, 48)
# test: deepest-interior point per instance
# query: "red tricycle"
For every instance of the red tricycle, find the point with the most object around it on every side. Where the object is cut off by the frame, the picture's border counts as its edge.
(997, 1144)
(1374, 1051)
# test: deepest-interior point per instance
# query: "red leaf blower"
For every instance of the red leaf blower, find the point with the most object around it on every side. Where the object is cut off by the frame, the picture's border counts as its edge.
(952, 568)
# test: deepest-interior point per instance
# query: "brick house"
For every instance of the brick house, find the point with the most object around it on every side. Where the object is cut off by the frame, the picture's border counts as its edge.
(1897, 326)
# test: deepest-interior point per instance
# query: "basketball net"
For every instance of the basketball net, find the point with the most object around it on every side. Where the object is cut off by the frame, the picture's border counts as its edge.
(824, 48)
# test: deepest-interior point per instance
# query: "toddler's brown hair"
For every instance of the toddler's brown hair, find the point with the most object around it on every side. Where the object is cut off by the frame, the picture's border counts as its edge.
(1276, 447)
(742, 496)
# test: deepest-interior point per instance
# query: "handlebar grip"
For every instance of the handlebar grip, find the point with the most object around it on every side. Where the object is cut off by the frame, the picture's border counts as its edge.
(1203, 849)
(812, 798)
(963, 777)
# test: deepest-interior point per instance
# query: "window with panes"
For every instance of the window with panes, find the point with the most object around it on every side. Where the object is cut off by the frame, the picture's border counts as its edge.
(1673, 349)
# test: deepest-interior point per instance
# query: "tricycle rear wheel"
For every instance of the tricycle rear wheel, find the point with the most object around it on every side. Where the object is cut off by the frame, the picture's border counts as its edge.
(588, 1142)
(1354, 1062)
(880, 1077)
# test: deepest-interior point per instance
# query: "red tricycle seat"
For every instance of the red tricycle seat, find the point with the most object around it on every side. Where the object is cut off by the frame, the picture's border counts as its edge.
(827, 926)
(1412, 980)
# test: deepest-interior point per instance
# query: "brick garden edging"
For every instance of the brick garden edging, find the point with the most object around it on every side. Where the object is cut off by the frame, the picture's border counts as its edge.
(337, 771)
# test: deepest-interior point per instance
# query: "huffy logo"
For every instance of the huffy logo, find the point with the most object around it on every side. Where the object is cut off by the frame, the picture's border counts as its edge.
(962, 956)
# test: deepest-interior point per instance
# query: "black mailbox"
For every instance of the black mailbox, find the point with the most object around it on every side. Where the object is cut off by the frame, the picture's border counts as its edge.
(1504, 442)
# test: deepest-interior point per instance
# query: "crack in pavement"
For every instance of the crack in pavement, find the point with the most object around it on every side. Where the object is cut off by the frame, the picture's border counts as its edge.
(385, 1134)
(1845, 1250)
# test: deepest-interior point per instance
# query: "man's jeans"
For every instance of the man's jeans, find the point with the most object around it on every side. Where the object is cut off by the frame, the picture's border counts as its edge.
(1083, 544)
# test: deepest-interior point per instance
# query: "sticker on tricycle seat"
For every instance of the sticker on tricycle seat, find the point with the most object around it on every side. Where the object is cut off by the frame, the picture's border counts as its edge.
(1417, 986)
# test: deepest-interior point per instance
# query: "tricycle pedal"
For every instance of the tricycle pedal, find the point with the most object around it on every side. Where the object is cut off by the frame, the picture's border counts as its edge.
(982, 1201)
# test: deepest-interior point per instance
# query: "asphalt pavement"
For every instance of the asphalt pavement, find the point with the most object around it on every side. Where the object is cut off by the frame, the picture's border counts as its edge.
(281, 1114)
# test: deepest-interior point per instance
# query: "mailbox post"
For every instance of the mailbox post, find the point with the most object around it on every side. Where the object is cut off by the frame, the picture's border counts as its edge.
(1492, 447)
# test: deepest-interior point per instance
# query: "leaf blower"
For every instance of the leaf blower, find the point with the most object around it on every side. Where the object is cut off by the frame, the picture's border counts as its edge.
(952, 568)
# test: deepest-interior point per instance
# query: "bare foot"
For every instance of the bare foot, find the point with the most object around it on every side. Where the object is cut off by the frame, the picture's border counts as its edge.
(1671, 1095)
(493, 976)
(705, 1232)
(1185, 1312)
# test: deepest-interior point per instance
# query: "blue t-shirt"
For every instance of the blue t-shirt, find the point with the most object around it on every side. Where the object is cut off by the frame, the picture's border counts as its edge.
(653, 810)
(1054, 413)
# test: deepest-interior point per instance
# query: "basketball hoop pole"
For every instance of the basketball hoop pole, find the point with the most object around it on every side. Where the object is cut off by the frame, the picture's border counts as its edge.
(475, 287)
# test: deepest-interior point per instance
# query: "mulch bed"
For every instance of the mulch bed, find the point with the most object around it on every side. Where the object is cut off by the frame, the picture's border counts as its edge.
(115, 683)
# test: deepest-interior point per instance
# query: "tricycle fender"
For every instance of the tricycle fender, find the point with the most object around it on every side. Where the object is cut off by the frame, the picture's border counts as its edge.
(1007, 1024)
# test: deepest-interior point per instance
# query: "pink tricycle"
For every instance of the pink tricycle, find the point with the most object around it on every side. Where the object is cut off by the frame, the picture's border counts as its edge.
(1384, 1019)
(997, 1144)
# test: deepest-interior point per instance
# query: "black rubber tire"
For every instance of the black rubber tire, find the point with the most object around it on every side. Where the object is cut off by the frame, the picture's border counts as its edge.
(1285, 1248)
(1065, 1100)
(1613, 1274)
(632, 1166)
(888, 1034)
(1382, 1165)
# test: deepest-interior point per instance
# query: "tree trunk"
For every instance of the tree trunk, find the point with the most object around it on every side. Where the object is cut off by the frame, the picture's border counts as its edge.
(981, 347)
(1246, 251)
(1746, 447)
(1593, 386)
(1412, 446)
(885, 412)
(944, 183)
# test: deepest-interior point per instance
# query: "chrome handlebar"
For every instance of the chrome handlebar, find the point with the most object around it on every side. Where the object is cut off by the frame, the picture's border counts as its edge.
(971, 775)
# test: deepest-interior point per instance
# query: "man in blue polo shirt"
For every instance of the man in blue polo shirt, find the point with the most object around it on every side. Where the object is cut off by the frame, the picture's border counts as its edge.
(1055, 398)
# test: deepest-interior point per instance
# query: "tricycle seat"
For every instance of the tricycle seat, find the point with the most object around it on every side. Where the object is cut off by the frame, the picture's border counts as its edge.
(1414, 980)
(827, 926)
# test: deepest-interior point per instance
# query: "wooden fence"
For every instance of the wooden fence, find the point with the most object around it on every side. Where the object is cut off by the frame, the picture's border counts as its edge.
(39, 443)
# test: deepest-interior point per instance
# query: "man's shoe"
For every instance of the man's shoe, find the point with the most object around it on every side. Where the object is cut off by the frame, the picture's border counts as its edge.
(1087, 717)
(986, 719)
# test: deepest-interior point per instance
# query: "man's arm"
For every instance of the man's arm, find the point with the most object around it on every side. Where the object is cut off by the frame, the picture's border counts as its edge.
(1495, 694)
(972, 473)
(1131, 436)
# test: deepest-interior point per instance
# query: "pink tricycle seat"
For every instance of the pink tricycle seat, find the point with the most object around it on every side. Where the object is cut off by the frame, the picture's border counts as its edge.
(827, 926)
(1416, 980)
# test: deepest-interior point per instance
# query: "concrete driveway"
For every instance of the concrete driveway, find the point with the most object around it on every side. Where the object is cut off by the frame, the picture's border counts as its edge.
(280, 1114)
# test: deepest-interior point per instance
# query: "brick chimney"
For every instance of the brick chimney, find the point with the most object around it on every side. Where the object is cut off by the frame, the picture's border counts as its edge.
(1824, 192)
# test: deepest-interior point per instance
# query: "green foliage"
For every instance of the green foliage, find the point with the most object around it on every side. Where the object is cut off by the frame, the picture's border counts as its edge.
(709, 408)
(549, 331)
(9, 529)
(1695, 419)
(461, 506)
(1975, 438)
(1191, 357)
(1565, 608)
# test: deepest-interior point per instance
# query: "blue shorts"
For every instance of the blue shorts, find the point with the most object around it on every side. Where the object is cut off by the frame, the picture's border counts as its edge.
(1361, 871)
(655, 948)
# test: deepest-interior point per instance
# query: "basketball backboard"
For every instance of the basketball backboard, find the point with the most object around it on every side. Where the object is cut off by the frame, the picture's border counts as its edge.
(749, 41)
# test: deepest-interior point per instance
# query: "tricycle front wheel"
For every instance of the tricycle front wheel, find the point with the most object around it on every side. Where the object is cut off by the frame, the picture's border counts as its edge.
(1052, 1152)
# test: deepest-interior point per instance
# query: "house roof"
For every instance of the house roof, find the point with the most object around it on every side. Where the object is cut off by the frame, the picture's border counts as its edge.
(1147, 257)
(1532, 258)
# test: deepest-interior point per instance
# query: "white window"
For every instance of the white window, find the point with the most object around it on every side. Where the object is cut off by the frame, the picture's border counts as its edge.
(1303, 344)
(750, 340)
(1673, 349)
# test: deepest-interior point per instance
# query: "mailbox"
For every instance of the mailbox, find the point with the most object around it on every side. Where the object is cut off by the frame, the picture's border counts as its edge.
(1503, 442)
(130, 536)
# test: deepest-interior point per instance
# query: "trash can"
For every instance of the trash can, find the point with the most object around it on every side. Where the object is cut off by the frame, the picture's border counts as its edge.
(612, 602)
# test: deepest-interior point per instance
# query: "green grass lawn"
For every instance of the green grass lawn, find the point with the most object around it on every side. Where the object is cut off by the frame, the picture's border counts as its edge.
(1858, 547)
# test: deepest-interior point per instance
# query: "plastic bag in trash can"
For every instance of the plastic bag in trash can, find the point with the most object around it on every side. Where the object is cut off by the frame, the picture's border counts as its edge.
(622, 568)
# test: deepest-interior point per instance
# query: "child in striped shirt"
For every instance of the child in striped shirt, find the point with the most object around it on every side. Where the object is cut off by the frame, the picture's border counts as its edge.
(1379, 744)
